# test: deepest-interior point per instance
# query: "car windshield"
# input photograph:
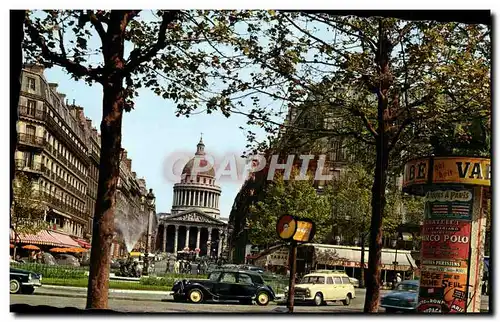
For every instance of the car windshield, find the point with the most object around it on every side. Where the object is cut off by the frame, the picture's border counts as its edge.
(407, 287)
(313, 279)
(214, 276)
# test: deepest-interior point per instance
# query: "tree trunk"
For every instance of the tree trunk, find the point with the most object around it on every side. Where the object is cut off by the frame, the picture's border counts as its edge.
(378, 205)
(362, 277)
(380, 179)
(109, 170)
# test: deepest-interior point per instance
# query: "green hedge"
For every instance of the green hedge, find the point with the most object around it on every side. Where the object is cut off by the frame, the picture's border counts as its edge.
(83, 282)
(169, 280)
(51, 271)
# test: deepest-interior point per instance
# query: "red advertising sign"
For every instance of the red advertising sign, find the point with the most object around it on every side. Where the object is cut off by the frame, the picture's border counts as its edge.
(446, 239)
(443, 291)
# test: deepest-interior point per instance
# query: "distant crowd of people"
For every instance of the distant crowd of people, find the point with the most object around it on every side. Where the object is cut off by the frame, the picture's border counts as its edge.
(186, 267)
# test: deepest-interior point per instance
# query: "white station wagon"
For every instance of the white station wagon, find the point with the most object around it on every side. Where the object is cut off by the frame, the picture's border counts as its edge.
(320, 287)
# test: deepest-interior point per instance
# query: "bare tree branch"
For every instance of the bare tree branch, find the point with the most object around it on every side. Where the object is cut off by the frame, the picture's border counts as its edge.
(345, 55)
(395, 138)
(97, 25)
(136, 58)
(59, 59)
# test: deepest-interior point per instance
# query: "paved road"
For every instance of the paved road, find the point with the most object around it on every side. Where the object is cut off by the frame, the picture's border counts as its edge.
(165, 303)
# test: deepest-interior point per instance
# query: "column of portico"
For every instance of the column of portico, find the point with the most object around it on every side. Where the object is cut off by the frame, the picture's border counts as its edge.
(219, 247)
(187, 236)
(209, 241)
(176, 238)
(198, 238)
(164, 245)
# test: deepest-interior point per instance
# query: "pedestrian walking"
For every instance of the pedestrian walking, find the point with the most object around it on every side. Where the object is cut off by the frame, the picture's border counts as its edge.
(176, 267)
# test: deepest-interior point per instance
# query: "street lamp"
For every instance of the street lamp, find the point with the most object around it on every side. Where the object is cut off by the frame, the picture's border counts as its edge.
(222, 246)
(395, 243)
(150, 199)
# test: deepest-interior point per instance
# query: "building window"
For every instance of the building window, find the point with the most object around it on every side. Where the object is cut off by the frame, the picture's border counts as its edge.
(29, 158)
(31, 83)
(31, 107)
(30, 130)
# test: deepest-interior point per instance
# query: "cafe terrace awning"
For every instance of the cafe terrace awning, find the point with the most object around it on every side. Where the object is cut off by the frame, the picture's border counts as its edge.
(64, 239)
(45, 237)
(82, 243)
(41, 238)
(350, 256)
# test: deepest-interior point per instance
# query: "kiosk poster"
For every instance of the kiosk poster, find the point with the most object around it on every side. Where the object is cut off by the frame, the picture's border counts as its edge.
(442, 292)
(446, 239)
(449, 203)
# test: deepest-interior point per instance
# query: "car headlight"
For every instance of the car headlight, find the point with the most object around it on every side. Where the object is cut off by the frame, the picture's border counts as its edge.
(40, 277)
(30, 277)
(308, 292)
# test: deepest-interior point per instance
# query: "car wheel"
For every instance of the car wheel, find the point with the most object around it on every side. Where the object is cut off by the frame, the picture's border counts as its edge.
(262, 298)
(318, 299)
(27, 290)
(347, 300)
(15, 286)
(195, 295)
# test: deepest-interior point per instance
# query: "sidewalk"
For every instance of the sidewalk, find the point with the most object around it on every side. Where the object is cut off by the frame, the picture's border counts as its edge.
(81, 292)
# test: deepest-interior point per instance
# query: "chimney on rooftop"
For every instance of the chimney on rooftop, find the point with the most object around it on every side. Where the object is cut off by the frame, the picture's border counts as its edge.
(128, 162)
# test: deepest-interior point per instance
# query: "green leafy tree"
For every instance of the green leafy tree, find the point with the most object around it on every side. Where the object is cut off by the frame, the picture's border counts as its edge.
(288, 197)
(28, 208)
(394, 83)
(167, 51)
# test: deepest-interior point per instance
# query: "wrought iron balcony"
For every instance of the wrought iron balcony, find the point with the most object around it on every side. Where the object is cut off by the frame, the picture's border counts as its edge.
(24, 165)
(32, 140)
(37, 114)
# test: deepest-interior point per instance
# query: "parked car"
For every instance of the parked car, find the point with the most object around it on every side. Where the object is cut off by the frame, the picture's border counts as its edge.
(225, 284)
(324, 286)
(354, 281)
(67, 260)
(403, 298)
(252, 268)
(85, 259)
(23, 281)
(48, 259)
(114, 263)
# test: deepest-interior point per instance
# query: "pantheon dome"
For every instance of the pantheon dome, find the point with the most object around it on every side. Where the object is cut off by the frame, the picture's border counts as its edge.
(197, 189)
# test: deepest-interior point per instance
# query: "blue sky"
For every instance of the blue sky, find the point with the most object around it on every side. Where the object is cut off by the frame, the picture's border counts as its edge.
(152, 132)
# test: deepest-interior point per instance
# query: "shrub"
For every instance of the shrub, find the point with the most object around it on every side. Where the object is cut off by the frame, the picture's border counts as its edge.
(51, 271)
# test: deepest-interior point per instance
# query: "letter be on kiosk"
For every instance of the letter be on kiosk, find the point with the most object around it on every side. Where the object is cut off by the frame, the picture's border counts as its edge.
(296, 230)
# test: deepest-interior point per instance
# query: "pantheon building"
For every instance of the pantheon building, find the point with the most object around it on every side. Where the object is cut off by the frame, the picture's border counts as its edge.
(194, 219)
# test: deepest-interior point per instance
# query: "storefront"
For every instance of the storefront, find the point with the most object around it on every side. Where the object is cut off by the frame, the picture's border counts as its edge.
(321, 256)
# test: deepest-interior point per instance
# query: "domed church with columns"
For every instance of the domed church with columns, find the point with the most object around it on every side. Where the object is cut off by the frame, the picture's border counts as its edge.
(194, 222)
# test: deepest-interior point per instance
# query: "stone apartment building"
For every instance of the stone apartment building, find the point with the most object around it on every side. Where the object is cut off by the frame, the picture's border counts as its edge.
(58, 148)
(53, 151)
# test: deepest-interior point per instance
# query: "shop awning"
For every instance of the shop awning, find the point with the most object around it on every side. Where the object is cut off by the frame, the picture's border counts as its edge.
(82, 243)
(43, 237)
(403, 261)
(334, 255)
(64, 240)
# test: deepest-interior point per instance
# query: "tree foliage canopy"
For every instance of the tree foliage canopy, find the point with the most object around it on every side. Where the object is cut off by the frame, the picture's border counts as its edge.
(28, 208)
(288, 197)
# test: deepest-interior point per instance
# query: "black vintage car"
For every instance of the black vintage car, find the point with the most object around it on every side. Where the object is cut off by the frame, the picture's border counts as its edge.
(223, 285)
(22, 281)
